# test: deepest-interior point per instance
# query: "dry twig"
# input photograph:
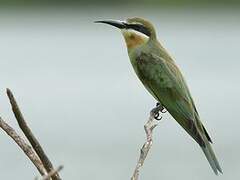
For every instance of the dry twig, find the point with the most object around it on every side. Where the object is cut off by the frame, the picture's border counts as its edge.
(24, 146)
(49, 175)
(31, 138)
(149, 126)
(34, 151)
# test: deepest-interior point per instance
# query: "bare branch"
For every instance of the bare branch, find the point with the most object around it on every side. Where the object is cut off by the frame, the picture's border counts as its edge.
(24, 146)
(149, 126)
(50, 174)
(31, 138)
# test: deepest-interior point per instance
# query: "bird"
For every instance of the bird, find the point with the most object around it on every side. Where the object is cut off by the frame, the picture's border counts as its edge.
(163, 79)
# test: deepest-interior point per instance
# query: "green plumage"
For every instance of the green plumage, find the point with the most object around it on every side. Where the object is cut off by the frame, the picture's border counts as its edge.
(163, 79)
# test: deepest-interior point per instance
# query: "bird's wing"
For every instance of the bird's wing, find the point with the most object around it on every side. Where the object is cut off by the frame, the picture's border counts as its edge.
(165, 81)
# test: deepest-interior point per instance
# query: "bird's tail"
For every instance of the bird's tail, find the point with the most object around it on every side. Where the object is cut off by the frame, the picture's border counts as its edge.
(208, 151)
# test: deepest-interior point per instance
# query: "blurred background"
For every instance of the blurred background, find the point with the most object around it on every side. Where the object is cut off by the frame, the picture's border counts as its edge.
(75, 85)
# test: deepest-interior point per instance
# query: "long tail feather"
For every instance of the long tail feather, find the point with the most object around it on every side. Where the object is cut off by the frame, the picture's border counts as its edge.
(208, 151)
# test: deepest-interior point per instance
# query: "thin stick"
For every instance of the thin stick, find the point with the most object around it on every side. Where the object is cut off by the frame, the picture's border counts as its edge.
(31, 138)
(50, 174)
(149, 126)
(27, 149)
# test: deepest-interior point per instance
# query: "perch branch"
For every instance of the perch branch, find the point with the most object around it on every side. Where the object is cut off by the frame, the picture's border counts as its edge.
(31, 138)
(24, 146)
(148, 127)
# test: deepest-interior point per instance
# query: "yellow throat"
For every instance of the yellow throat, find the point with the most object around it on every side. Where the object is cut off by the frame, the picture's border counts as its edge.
(134, 39)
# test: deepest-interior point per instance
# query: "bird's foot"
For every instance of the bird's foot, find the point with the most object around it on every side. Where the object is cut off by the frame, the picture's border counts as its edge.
(157, 116)
(156, 111)
(161, 107)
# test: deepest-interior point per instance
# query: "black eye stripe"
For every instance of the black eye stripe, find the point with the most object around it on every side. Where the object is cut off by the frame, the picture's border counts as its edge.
(139, 28)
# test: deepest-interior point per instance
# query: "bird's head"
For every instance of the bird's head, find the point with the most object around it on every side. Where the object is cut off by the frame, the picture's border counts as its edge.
(136, 31)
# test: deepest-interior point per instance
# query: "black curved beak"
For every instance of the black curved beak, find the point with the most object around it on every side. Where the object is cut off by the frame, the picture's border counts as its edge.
(118, 24)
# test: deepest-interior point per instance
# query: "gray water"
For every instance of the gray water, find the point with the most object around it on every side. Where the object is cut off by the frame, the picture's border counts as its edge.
(78, 92)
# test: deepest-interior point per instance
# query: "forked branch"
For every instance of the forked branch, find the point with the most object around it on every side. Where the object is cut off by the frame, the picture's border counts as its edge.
(29, 135)
(28, 150)
(34, 151)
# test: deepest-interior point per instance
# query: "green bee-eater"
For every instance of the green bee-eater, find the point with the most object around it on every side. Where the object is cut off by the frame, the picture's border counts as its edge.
(162, 78)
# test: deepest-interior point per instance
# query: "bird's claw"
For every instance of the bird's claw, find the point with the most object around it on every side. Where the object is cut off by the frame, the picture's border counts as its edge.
(156, 116)
(161, 109)
(158, 104)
